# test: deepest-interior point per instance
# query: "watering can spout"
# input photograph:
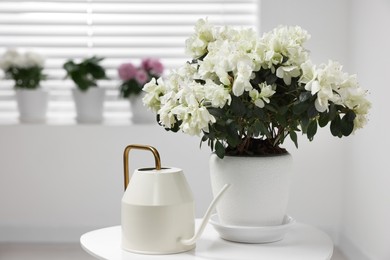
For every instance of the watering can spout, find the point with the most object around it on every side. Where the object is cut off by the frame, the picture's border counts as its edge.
(206, 218)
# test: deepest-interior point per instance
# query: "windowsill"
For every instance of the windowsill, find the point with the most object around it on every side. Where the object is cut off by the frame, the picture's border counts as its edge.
(69, 119)
(66, 122)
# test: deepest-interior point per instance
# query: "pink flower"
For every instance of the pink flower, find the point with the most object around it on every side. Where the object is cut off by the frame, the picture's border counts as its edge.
(154, 66)
(127, 71)
(141, 76)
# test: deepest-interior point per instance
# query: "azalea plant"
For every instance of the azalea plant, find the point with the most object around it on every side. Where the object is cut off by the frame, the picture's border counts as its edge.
(26, 69)
(246, 94)
(133, 78)
(85, 73)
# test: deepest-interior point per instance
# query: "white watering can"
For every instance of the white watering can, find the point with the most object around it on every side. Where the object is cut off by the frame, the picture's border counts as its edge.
(158, 209)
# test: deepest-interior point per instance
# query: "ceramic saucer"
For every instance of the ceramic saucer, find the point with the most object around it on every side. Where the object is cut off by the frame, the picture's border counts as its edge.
(247, 234)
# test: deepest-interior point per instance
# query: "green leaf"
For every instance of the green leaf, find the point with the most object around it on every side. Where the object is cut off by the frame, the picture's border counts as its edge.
(312, 111)
(294, 138)
(304, 96)
(271, 108)
(283, 110)
(204, 139)
(259, 113)
(80, 81)
(332, 112)
(70, 67)
(219, 149)
(232, 136)
(324, 119)
(217, 112)
(346, 125)
(350, 115)
(300, 108)
(305, 123)
(94, 59)
(281, 120)
(237, 106)
(312, 129)
(211, 133)
(97, 71)
(335, 126)
(271, 79)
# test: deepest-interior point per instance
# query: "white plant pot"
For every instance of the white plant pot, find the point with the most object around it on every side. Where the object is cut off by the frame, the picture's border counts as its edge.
(89, 104)
(140, 113)
(259, 190)
(32, 105)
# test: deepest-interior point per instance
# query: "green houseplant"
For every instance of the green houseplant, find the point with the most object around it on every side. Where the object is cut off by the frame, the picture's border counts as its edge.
(244, 96)
(85, 73)
(89, 99)
(26, 70)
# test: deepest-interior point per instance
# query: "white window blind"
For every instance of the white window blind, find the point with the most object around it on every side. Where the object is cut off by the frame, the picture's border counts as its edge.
(118, 30)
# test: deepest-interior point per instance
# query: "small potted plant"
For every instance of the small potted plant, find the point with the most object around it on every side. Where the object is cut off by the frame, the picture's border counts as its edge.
(133, 78)
(26, 69)
(89, 99)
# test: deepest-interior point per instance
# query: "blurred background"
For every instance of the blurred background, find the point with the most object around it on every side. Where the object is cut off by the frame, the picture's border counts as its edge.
(61, 179)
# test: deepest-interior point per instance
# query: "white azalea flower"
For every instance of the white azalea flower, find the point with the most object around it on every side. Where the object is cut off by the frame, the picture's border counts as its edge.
(309, 77)
(243, 76)
(287, 72)
(262, 97)
(281, 43)
(321, 103)
(195, 119)
(357, 101)
(167, 117)
(240, 84)
(216, 94)
(196, 45)
(153, 91)
(360, 121)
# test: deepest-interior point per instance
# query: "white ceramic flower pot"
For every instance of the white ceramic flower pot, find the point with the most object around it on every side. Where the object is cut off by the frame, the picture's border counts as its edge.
(259, 190)
(89, 105)
(140, 113)
(32, 105)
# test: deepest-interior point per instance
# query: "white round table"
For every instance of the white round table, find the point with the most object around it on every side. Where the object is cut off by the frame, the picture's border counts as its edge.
(302, 242)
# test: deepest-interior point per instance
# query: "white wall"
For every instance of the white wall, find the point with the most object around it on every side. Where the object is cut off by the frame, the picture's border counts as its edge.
(365, 225)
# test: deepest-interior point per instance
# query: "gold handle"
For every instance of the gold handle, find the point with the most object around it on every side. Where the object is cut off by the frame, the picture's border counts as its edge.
(157, 159)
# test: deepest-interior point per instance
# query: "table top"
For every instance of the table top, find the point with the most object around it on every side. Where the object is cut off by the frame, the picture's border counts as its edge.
(302, 242)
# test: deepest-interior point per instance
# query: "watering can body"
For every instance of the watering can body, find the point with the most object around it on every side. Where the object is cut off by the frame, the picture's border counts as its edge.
(157, 210)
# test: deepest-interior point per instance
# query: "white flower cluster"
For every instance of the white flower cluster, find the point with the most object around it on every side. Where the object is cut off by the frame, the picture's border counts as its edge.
(181, 98)
(227, 60)
(330, 83)
(13, 59)
(283, 47)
